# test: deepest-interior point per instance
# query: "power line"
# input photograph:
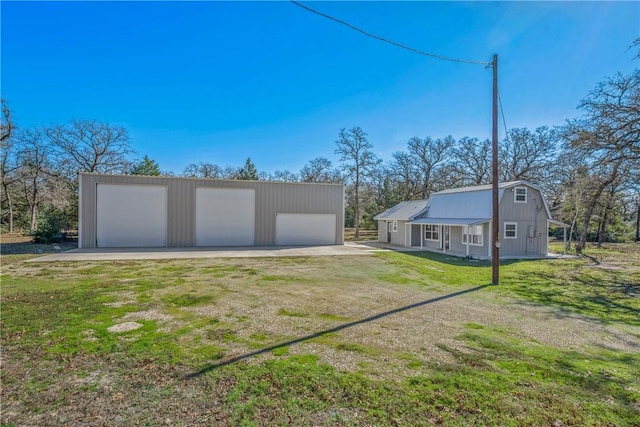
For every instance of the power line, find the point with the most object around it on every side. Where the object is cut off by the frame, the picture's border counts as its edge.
(382, 39)
(504, 122)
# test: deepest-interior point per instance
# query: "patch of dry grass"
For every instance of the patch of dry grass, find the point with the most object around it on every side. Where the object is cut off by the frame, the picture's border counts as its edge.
(200, 313)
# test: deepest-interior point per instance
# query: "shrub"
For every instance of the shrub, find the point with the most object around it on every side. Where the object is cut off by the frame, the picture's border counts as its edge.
(49, 228)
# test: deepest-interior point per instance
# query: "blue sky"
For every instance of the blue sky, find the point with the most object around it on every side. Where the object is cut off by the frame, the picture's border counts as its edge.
(221, 81)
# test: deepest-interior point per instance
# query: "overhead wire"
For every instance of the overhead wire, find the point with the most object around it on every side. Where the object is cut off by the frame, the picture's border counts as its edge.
(504, 122)
(382, 39)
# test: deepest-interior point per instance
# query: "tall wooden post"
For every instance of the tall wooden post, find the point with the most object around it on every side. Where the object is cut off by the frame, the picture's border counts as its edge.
(495, 229)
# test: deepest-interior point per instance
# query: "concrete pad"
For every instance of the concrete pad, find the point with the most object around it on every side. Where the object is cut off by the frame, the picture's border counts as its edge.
(120, 254)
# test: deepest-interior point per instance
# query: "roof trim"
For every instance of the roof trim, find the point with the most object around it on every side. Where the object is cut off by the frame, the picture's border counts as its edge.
(451, 221)
(558, 223)
(195, 178)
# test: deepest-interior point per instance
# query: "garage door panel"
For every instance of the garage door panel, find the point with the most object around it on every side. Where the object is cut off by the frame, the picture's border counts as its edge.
(305, 229)
(225, 217)
(131, 216)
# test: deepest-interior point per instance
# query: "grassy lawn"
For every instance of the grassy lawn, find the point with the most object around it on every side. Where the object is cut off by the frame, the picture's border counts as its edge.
(316, 341)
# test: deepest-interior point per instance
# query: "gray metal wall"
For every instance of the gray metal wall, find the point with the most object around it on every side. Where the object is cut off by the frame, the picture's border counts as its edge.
(271, 198)
(532, 213)
(382, 231)
(456, 245)
(397, 237)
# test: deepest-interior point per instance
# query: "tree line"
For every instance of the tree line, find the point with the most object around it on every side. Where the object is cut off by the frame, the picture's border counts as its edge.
(588, 168)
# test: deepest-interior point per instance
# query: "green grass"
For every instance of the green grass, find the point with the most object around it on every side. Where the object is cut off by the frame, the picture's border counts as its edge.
(570, 285)
(501, 381)
(59, 356)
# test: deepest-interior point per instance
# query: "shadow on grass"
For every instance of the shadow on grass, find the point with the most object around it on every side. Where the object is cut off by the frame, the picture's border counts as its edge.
(601, 299)
(331, 330)
(455, 260)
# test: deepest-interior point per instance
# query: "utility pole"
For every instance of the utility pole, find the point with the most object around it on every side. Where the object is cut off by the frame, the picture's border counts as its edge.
(495, 222)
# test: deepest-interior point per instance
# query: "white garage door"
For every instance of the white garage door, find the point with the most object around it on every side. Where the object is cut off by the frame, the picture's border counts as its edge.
(305, 229)
(131, 216)
(225, 217)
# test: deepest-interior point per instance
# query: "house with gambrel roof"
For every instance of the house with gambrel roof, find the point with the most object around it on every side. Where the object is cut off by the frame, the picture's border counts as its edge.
(459, 222)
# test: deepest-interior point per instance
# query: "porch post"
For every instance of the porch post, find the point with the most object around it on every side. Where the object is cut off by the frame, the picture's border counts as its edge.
(446, 240)
(467, 240)
(421, 235)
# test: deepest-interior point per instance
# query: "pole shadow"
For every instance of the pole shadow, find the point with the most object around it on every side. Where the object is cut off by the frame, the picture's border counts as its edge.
(331, 330)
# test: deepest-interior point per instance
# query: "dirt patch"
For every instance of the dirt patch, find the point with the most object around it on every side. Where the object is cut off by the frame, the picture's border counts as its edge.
(124, 327)
(147, 315)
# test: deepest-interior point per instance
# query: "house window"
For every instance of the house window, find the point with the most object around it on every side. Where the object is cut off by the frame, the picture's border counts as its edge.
(432, 232)
(510, 230)
(520, 195)
(473, 235)
(395, 226)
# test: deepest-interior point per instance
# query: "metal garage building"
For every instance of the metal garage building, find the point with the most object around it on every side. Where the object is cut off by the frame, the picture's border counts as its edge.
(141, 211)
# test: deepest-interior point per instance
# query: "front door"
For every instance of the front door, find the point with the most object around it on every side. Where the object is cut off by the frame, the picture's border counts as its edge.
(389, 229)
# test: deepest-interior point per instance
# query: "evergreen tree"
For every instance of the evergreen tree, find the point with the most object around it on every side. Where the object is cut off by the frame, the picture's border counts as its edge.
(146, 167)
(248, 172)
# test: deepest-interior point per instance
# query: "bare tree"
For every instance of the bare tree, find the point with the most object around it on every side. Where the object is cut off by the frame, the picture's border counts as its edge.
(8, 168)
(34, 171)
(607, 139)
(429, 155)
(284, 176)
(7, 127)
(529, 156)
(358, 162)
(91, 146)
(472, 161)
(203, 170)
(405, 175)
(319, 170)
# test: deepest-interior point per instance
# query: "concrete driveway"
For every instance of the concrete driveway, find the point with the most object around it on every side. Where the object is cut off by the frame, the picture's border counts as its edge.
(118, 254)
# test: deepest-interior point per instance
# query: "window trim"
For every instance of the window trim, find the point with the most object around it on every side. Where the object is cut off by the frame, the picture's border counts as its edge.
(432, 228)
(515, 230)
(515, 194)
(466, 231)
(394, 226)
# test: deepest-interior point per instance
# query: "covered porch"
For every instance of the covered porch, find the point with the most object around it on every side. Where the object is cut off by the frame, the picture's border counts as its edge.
(455, 236)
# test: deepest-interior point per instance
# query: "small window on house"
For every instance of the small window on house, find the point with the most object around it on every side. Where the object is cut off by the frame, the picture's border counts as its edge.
(395, 226)
(520, 195)
(510, 230)
(432, 232)
(473, 234)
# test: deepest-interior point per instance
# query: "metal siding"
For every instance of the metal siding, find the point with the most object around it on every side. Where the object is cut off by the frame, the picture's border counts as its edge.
(181, 214)
(531, 213)
(455, 240)
(382, 231)
(271, 198)
(397, 237)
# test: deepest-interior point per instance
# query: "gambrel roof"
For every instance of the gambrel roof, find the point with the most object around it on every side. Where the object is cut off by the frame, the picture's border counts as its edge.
(466, 205)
